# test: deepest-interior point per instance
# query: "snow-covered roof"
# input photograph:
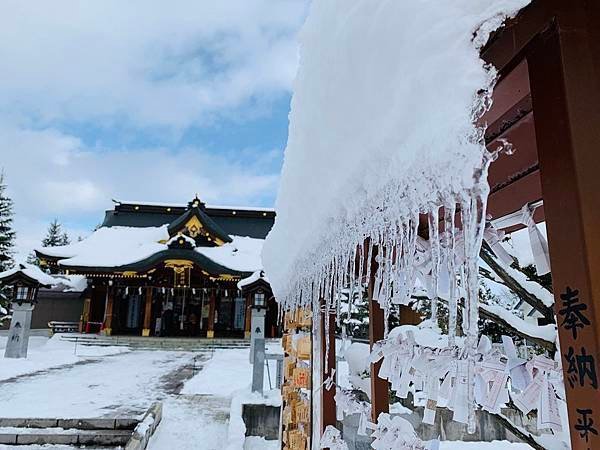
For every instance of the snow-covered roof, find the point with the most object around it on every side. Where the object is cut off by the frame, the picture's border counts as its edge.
(111, 247)
(30, 271)
(186, 238)
(381, 126)
(67, 283)
(242, 255)
(258, 275)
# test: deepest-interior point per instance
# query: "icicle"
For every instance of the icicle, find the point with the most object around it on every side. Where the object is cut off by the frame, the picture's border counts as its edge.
(450, 212)
(434, 246)
(368, 262)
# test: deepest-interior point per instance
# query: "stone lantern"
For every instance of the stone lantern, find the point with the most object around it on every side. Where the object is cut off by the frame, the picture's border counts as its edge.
(25, 280)
(257, 290)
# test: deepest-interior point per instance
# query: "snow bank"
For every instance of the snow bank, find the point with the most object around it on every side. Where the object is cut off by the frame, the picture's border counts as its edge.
(357, 356)
(381, 126)
(259, 443)
(227, 372)
(236, 434)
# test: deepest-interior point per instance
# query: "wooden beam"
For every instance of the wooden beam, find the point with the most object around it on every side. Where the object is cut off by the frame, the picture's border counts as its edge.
(380, 401)
(147, 312)
(564, 67)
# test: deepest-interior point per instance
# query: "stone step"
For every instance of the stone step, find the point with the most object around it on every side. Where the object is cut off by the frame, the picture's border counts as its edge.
(144, 343)
(118, 423)
(61, 436)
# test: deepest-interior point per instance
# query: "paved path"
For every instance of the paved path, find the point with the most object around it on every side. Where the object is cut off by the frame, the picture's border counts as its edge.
(123, 384)
(192, 422)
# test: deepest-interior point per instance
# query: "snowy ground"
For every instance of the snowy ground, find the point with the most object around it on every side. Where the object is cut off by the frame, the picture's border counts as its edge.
(47, 354)
(196, 389)
(204, 404)
(124, 383)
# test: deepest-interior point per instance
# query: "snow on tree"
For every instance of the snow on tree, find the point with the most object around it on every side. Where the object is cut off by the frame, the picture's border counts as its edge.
(55, 236)
(33, 259)
(64, 239)
(7, 241)
(7, 234)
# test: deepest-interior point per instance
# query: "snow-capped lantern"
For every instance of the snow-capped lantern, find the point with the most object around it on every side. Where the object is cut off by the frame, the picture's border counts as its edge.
(25, 281)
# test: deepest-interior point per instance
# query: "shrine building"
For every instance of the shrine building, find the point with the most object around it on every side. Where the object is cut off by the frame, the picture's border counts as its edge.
(171, 270)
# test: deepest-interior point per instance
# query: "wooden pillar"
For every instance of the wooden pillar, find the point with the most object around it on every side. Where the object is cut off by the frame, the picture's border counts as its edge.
(248, 317)
(564, 66)
(85, 313)
(210, 331)
(328, 365)
(147, 312)
(380, 402)
(108, 310)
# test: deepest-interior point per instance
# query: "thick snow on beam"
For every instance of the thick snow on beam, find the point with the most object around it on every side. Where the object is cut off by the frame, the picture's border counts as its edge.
(381, 126)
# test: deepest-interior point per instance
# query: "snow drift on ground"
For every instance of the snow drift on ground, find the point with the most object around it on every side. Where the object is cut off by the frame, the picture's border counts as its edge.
(381, 125)
(47, 353)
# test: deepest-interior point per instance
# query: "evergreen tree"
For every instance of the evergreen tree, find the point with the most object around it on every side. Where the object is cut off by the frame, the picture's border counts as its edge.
(64, 239)
(55, 235)
(7, 234)
(7, 241)
(33, 259)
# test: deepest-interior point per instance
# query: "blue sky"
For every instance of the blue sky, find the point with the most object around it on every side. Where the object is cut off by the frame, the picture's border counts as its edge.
(142, 100)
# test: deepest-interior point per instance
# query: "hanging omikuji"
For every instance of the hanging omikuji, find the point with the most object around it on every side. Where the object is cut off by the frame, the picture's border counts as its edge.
(396, 141)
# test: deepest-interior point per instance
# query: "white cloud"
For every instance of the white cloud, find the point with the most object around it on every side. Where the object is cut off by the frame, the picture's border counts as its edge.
(145, 62)
(50, 175)
(140, 66)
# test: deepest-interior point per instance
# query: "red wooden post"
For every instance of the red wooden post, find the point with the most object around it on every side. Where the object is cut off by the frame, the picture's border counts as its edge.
(248, 317)
(380, 402)
(147, 312)
(564, 68)
(210, 330)
(108, 312)
(328, 406)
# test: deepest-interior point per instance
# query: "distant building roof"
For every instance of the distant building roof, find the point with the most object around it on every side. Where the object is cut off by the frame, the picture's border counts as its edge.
(137, 236)
(234, 220)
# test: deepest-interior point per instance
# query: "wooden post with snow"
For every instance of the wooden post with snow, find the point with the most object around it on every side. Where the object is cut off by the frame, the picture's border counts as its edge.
(328, 366)
(380, 402)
